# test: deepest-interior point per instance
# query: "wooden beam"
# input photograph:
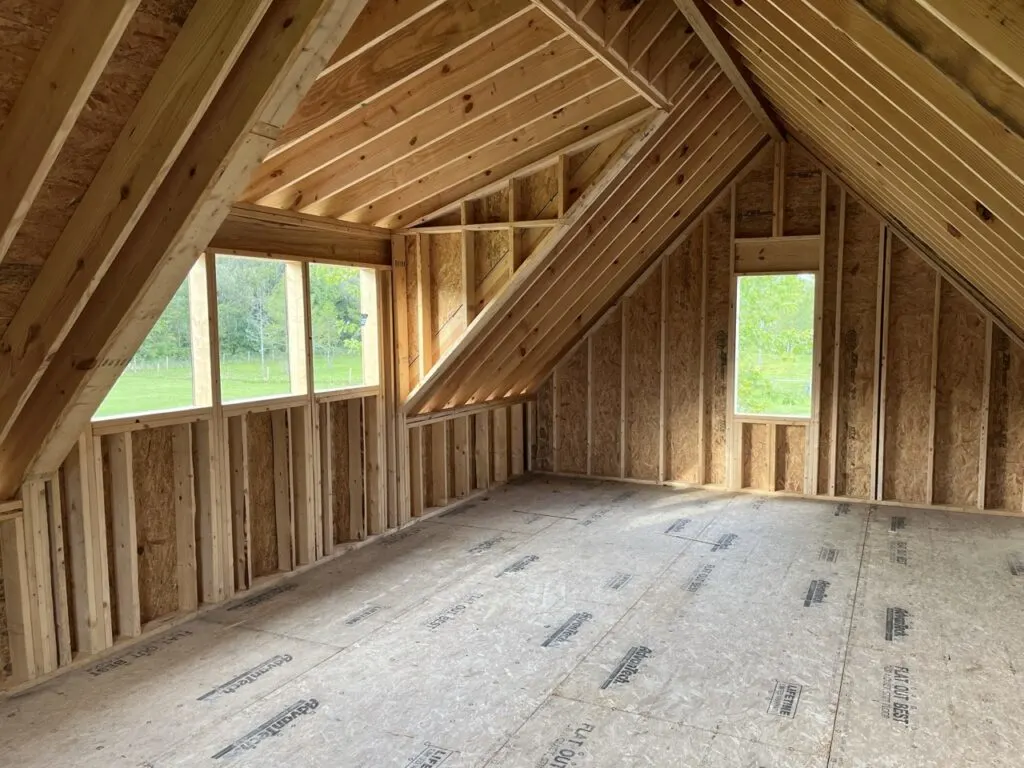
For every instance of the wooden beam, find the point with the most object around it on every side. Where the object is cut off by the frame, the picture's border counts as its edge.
(18, 609)
(585, 37)
(185, 518)
(66, 69)
(253, 230)
(282, 490)
(356, 471)
(238, 468)
(498, 226)
(281, 60)
(38, 571)
(58, 570)
(122, 513)
(766, 255)
(168, 112)
(718, 44)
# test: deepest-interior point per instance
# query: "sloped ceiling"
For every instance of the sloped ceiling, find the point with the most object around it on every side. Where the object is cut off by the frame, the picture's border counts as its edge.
(918, 106)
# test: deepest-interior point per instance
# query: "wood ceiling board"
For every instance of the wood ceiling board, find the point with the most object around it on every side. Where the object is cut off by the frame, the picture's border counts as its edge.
(527, 144)
(488, 107)
(198, 62)
(653, 18)
(62, 77)
(706, 28)
(385, 111)
(570, 257)
(279, 64)
(395, 60)
(712, 166)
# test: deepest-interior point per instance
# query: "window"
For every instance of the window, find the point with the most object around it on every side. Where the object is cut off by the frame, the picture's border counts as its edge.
(159, 376)
(774, 345)
(252, 315)
(343, 306)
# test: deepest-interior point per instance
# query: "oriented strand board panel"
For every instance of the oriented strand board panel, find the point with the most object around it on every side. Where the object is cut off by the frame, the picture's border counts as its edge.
(801, 193)
(545, 426)
(790, 457)
(958, 400)
(643, 379)
(606, 397)
(856, 401)
(754, 457)
(717, 343)
(830, 282)
(1004, 486)
(156, 531)
(911, 310)
(493, 265)
(754, 197)
(339, 469)
(682, 360)
(490, 209)
(446, 295)
(571, 399)
(262, 507)
(537, 195)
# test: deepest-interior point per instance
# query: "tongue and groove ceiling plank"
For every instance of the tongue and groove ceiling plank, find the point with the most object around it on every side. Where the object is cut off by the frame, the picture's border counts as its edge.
(242, 119)
(882, 89)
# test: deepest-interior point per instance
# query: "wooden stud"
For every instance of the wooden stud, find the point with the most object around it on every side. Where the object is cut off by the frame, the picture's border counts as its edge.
(663, 377)
(393, 458)
(88, 541)
(38, 571)
(590, 403)
(986, 394)
(837, 342)
(733, 436)
(376, 499)
(468, 269)
(282, 469)
(623, 385)
(417, 476)
(295, 327)
(300, 432)
(424, 324)
(58, 566)
(531, 435)
(315, 468)
(499, 430)
(461, 457)
(516, 459)
(933, 389)
(482, 447)
(773, 470)
(563, 186)
(814, 429)
(356, 472)
(122, 514)
(881, 349)
(65, 71)
(400, 283)
(439, 464)
(556, 427)
(238, 462)
(210, 511)
(185, 517)
(326, 475)
(702, 450)
(16, 598)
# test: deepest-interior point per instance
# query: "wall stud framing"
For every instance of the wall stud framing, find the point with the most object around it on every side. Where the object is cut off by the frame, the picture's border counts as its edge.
(122, 512)
(58, 570)
(357, 513)
(40, 587)
(881, 348)
(734, 436)
(814, 428)
(516, 454)
(986, 394)
(482, 449)
(461, 457)
(933, 390)
(326, 475)
(16, 597)
(837, 341)
(663, 376)
(282, 489)
(373, 440)
(590, 403)
(499, 429)
(238, 461)
(303, 495)
(185, 517)
(439, 464)
(417, 491)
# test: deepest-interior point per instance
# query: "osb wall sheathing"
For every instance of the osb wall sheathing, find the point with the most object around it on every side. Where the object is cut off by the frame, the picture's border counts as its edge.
(754, 457)
(537, 195)
(606, 397)
(488, 210)
(716, 343)
(1004, 486)
(830, 285)
(960, 382)
(683, 316)
(493, 265)
(571, 406)
(790, 458)
(910, 307)
(262, 506)
(754, 193)
(340, 477)
(801, 193)
(643, 380)
(446, 294)
(143, 46)
(545, 426)
(155, 523)
(856, 400)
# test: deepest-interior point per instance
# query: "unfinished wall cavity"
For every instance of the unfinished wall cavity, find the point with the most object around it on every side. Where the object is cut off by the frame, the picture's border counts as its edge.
(918, 397)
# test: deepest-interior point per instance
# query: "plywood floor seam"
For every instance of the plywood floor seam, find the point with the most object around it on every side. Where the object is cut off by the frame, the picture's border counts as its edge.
(585, 624)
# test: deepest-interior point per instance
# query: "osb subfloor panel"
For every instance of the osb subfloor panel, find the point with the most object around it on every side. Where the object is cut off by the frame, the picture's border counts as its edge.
(583, 624)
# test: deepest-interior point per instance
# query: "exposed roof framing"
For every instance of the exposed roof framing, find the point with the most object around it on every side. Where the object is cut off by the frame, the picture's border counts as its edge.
(413, 119)
(718, 45)
(233, 76)
(934, 141)
(608, 240)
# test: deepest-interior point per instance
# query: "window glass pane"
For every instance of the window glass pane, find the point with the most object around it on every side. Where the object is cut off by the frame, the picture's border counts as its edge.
(252, 324)
(774, 345)
(338, 322)
(159, 377)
